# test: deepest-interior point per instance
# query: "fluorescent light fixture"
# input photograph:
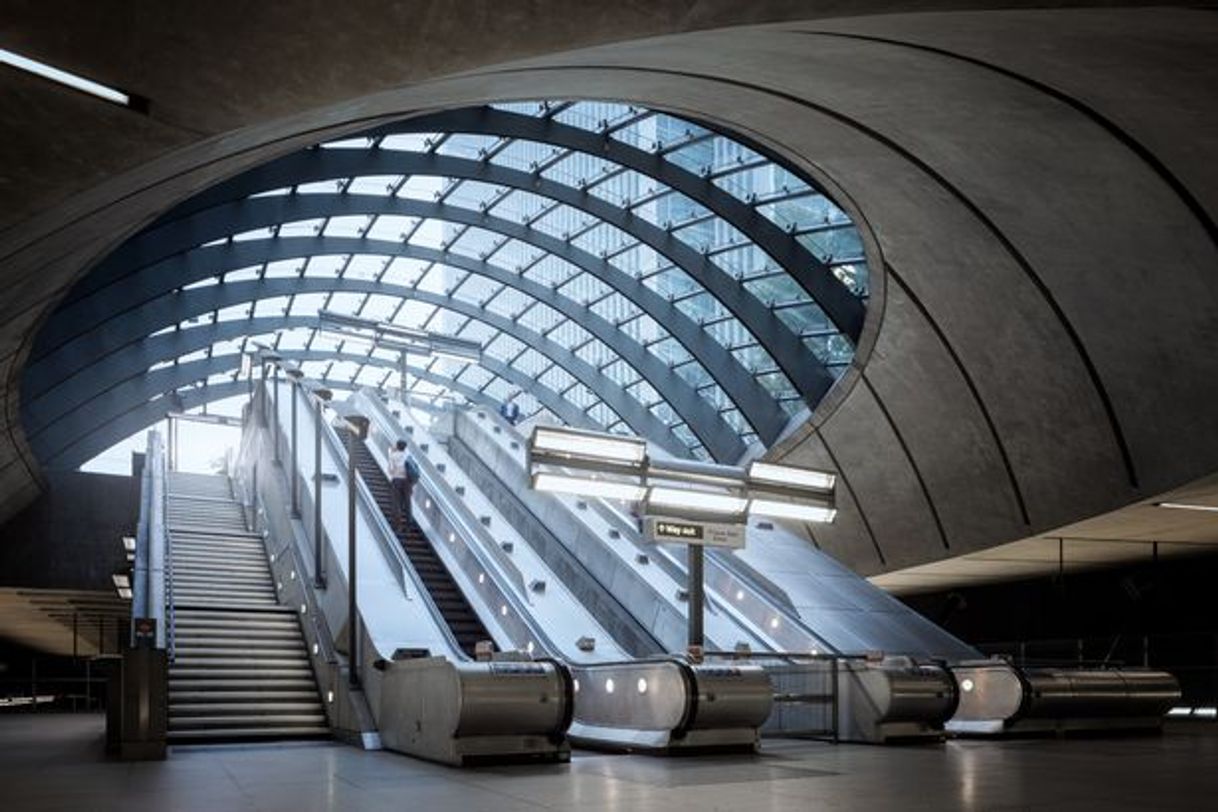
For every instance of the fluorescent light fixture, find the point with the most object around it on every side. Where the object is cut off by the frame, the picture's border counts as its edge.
(121, 580)
(129, 543)
(63, 77)
(1185, 506)
(792, 510)
(124, 593)
(791, 477)
(606, 448)
(702, 501)
(599, 488)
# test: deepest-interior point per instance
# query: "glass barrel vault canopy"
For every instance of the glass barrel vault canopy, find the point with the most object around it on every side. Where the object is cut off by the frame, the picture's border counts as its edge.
(622, 268)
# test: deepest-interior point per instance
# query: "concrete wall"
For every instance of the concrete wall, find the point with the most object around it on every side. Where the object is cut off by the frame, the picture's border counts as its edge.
(1042, 192)
(70, 536)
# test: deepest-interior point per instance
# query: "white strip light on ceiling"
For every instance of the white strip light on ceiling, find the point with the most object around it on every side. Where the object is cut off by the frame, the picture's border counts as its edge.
(791, 510)
(582, 486)
(702, 501)
(595, 447)
(789, 476)
(1184, 506)
(63, 77)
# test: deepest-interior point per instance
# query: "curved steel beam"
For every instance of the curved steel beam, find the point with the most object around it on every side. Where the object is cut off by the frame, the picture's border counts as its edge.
(149, 412)
(77, 318)
(842, 307)
(807, 374)
(93, 417)
(43, 377)
(121, 340)
(152, 253)
(178, 343)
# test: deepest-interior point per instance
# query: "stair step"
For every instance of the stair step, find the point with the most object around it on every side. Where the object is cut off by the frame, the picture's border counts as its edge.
(189, 653)
(204, 532)
(261, 626)
(210, 639)
(194, 697)
(222, 735)
(247, 709)
(245, 671)
(255, 683)
(317, 719)
(221, 614)
(225, 604)
(237, 581)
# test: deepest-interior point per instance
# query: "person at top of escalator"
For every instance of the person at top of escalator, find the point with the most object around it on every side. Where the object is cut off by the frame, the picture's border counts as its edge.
(400, 467)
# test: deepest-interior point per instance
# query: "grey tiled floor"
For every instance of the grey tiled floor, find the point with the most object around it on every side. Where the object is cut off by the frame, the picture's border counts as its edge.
(54, 762)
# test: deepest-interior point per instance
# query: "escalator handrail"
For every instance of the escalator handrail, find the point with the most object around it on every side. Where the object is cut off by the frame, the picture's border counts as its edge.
(429, 476)
(391, 550)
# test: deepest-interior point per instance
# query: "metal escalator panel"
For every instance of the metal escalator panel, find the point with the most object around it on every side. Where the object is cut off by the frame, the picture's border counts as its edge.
(454, 608)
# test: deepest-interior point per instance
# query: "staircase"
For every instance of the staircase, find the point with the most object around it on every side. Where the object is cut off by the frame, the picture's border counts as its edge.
(456, 611)
(241, 670)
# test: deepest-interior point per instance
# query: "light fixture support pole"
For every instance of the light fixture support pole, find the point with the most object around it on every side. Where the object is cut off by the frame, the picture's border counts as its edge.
(697, 598)
(357, 430)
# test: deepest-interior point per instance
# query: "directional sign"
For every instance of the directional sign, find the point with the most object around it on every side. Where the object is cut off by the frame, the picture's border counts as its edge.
(710, 534)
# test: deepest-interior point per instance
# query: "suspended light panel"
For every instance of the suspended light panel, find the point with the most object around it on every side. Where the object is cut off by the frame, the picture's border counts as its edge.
(791, 477)
(588, 446)
(582, 486)
(791, 510)
(698, 501)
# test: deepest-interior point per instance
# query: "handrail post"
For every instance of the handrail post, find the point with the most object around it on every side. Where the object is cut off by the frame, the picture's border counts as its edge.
(278, 459)
(295, 453)
(319, 575)
(357, 430)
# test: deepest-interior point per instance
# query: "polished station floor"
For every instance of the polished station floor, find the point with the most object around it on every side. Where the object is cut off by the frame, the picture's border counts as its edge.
(53, 761)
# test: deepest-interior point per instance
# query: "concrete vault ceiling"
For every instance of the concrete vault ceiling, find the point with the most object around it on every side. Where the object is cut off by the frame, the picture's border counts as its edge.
(1039, 183)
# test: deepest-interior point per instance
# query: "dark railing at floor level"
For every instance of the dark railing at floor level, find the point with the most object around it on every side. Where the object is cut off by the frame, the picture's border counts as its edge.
(1192, 657)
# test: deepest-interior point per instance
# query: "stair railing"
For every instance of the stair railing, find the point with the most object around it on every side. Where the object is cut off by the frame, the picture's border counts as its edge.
(152, 585)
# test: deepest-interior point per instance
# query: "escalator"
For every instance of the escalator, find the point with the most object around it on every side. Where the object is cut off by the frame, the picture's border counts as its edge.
(454, 608)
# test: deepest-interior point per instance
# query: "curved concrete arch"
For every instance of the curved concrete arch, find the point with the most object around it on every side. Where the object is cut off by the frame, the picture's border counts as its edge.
(118, 351)
(965, 334)
(154, 269)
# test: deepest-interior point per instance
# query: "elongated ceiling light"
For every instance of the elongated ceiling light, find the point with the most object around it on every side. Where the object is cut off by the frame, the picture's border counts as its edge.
(583, 486)
(1184, 506)
(791, 510)
(63, 77)
(588, 446)
(701, 501)
(790, 476)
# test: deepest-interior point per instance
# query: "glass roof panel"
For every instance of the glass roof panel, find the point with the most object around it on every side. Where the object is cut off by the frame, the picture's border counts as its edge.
(804, 216)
